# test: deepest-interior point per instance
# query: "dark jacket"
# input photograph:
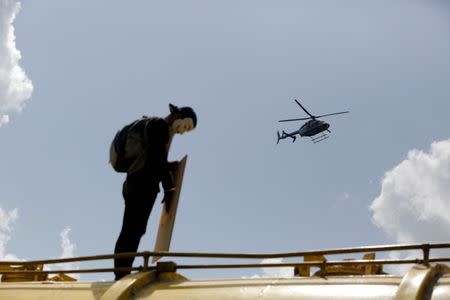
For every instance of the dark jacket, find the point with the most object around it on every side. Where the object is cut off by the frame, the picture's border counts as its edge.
(154, 135)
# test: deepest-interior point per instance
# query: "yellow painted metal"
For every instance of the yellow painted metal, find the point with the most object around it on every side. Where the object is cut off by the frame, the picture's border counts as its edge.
(131, 284)
(128, 285)
(441, 290)
(171, 276)
(306, 270)
(340, 269)
(53, 290)
(418, 282)
(170, 285)
(299, 288)
(340, 279)
(61, 277)
(21, 277)
(25, 277)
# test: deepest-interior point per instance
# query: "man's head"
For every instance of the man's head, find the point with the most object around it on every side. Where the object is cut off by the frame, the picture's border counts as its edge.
(182, 119)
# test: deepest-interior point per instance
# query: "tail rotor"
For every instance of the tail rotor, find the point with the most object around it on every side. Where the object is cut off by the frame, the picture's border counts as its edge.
(284, 135)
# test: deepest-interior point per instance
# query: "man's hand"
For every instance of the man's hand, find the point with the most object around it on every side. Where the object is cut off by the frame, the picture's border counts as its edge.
(168, 195)
(173, 165)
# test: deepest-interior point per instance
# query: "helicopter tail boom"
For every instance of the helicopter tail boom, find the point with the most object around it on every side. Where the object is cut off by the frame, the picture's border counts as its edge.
(284, 135)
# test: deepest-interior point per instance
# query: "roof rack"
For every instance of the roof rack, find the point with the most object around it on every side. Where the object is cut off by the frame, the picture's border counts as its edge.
(35, 267)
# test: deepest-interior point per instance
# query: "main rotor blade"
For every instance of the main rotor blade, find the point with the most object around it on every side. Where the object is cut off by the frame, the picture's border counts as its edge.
(304, 109)
(299, 119)
(338, 113)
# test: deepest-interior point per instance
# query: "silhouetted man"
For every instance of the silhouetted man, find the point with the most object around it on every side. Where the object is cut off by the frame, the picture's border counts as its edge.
(146, 149)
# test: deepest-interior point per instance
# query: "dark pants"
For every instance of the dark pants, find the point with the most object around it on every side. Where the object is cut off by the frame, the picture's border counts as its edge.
(139, 192)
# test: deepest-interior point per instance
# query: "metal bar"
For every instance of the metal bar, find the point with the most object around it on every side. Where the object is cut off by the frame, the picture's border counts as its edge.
(317, 141)
(443, 259)
(72, 271)
(426, 254)
(319, 137)
(300, 254)
(319, 264)
(146, 258)
(74, 259)
(309, 264)
(236, 255)
(323, 266)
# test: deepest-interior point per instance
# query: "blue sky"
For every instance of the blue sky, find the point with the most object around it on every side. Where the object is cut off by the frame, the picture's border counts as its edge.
(96, 66)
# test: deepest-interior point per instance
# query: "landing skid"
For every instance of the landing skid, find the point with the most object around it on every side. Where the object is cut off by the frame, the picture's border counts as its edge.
(319, 138)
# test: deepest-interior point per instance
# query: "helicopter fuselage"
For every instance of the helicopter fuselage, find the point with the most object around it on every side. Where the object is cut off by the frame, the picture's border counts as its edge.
(313, 127)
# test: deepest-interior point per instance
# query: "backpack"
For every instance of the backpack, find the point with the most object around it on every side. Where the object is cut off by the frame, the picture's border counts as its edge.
(128, 144)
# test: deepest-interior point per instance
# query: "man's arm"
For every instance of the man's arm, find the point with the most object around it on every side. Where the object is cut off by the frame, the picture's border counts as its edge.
(158, 135)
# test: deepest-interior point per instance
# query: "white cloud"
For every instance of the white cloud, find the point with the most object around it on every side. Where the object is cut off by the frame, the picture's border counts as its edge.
(7, 220)
(68, 251)
(414, 203)
(287, 272)
(15, 86)
(4, 119)
(68, 248)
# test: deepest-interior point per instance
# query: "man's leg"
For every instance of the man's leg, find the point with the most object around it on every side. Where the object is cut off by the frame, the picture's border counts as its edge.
(139, 202)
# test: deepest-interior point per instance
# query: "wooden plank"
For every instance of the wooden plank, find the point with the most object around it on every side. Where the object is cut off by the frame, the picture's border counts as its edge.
(167, 220)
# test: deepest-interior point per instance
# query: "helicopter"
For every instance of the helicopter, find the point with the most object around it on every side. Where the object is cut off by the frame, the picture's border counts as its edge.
(314, 128)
